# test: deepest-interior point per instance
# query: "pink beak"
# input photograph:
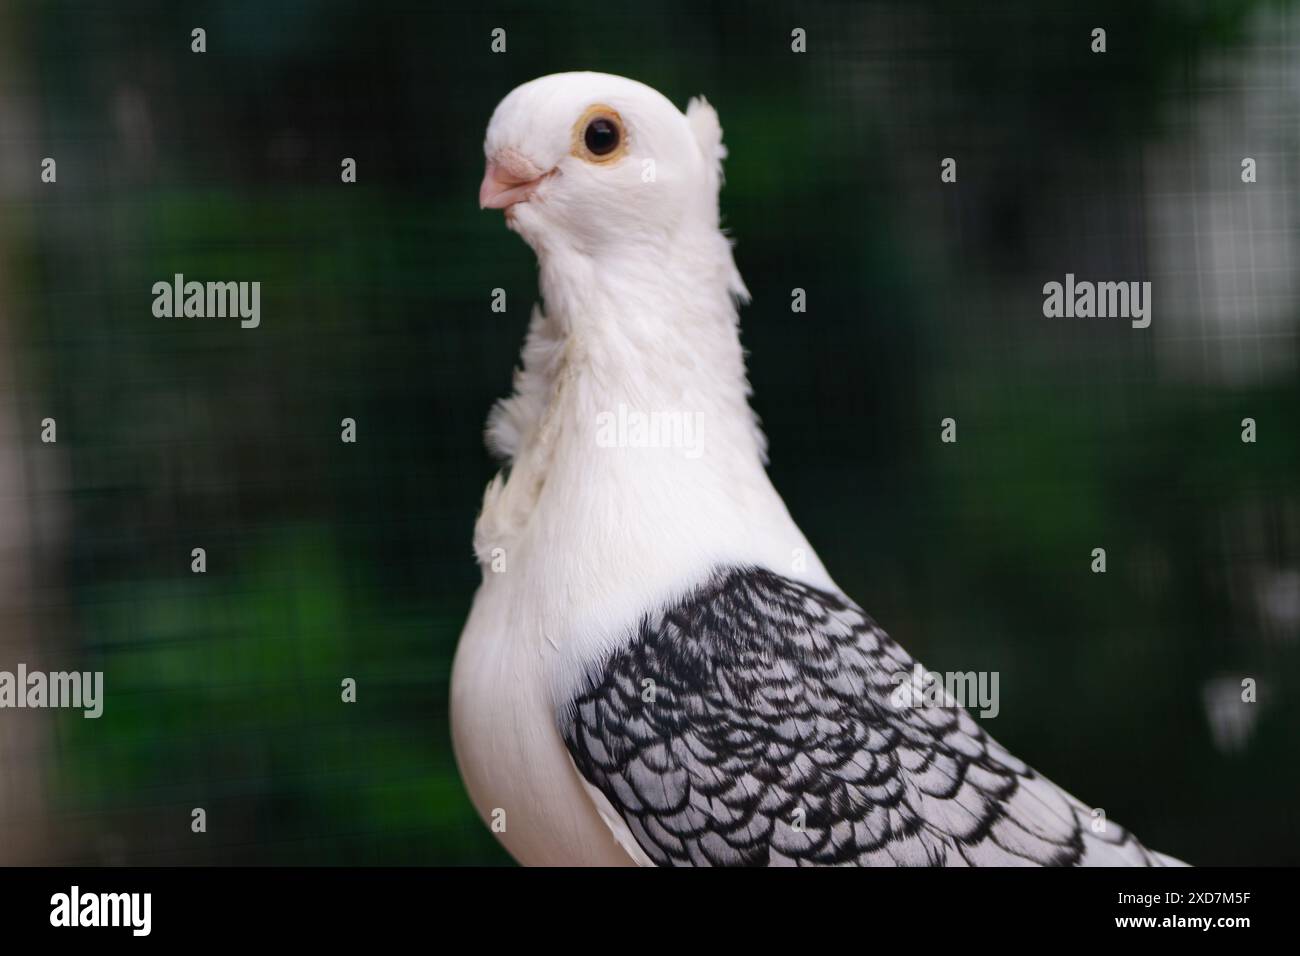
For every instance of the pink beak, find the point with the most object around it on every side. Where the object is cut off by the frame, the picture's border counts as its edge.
(502, 188)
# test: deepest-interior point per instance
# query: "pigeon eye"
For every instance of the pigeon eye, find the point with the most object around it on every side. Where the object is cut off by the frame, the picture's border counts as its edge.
(599, 136)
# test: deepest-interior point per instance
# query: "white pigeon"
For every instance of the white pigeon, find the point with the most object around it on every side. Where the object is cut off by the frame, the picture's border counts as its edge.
(657, 668)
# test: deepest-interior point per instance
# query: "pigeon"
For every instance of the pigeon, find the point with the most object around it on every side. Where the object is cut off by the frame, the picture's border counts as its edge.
(657, 669)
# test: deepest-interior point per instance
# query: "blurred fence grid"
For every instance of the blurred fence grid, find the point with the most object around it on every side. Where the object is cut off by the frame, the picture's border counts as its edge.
(329, 560)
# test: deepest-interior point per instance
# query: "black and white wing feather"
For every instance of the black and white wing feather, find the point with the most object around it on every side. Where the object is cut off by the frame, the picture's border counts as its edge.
(752, 724)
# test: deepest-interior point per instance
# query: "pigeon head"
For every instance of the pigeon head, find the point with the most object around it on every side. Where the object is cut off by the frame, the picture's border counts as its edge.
(590, 161)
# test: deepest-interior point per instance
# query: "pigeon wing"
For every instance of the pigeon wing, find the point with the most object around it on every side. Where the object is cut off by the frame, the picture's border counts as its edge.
(753, 724)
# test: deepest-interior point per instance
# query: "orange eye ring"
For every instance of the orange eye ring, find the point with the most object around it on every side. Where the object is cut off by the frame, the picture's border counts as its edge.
(599, 136)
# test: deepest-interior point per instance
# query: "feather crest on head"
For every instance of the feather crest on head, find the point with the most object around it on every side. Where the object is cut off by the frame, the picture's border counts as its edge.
(707, 130)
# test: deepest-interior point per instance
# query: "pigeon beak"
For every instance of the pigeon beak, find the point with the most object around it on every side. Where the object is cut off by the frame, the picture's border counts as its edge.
(504, 186)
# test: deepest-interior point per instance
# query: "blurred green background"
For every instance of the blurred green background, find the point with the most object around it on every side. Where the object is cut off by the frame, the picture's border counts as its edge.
(328, 560)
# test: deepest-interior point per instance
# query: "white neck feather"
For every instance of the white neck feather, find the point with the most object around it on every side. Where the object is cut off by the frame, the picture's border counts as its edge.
(593, 535)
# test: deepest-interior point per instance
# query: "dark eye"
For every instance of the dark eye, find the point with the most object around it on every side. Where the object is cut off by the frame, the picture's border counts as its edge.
(601, 136)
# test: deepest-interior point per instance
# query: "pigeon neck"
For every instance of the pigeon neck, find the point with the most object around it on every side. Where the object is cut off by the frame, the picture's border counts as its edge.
(651, 342)
(632, 397)
(637, 464)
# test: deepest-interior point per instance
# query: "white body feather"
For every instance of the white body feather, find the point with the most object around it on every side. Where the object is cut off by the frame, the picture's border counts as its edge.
(592, 537)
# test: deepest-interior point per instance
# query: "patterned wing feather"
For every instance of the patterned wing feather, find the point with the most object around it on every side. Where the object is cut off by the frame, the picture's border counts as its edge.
(755, 723)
